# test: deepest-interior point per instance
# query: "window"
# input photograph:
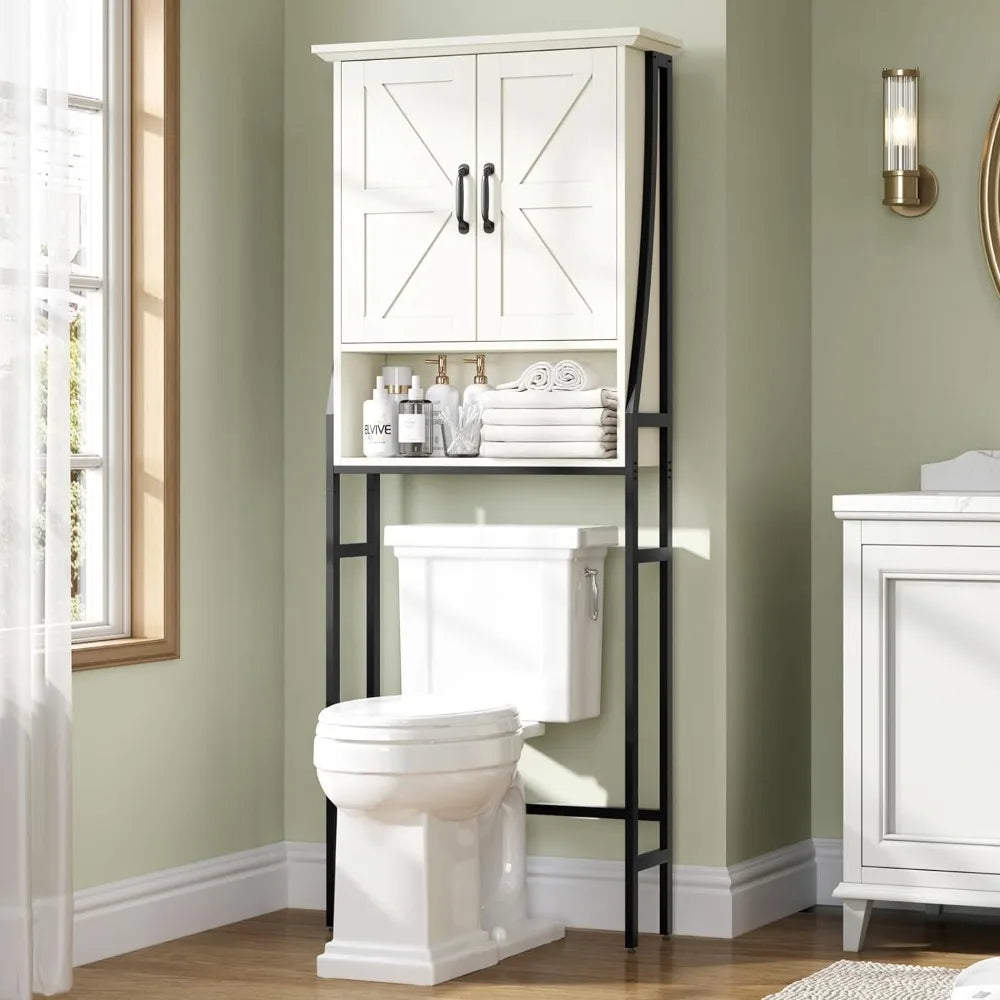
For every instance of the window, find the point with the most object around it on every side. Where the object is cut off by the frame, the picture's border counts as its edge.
(125, 352)
(98, 217)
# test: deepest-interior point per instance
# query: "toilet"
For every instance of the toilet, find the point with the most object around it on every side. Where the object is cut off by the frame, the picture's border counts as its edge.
(500, 633)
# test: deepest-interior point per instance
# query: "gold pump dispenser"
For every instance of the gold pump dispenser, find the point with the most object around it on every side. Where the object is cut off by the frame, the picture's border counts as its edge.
(442, 373)
(480, 362)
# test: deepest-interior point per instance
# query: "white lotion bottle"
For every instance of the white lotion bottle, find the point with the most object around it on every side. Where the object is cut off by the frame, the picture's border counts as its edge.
(444, 398)
(474, 392)
(378, 417)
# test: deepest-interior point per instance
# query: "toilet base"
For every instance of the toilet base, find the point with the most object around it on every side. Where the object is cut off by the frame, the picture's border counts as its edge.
(529, 933)
(412, 966)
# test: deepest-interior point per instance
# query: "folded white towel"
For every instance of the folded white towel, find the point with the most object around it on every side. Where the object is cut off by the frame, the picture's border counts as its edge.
(536, 432)
(596, 398)
(536, 376)
(545, 449)
(571, 376)
(590, 416)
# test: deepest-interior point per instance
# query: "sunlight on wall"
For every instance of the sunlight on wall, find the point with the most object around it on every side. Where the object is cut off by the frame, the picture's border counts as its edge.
(547, 780)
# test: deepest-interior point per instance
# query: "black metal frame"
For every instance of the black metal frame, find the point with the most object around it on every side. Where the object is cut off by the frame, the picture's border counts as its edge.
(657, 150)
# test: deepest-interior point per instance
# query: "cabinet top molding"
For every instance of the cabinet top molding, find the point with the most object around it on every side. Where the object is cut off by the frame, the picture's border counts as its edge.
(583, 38)
(926, 505)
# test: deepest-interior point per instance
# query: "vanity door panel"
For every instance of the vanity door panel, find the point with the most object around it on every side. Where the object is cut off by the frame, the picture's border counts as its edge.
(408, 271)
(547, 125)
(931, 708)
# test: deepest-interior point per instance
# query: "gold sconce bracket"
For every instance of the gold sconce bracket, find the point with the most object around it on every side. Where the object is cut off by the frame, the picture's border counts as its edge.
(927, 185)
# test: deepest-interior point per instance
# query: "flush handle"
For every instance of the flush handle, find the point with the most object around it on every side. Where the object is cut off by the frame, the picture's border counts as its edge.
(595, 594)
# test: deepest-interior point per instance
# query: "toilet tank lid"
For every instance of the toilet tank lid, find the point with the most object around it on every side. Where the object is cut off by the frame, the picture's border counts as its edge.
(501, 536)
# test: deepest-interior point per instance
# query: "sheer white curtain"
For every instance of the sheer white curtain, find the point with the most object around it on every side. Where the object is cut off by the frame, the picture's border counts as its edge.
(36, 903)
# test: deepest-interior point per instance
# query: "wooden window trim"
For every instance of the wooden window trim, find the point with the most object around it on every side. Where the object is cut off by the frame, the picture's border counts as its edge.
(154, 345)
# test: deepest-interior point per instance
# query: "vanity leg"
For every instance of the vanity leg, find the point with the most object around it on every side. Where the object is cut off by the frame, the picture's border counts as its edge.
(856, 915)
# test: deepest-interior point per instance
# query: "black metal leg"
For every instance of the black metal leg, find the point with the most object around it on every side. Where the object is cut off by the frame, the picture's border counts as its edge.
(373, 561)
(631, 683)
(332, 641)
(666, 495)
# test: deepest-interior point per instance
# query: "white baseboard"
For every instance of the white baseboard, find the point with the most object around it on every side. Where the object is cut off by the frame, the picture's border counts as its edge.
(138, 912)
(829, 869)
(579, 892)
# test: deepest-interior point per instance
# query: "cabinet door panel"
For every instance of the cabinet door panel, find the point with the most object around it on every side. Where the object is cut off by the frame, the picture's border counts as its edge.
(547, 121)
(931, 707)
(407, 272)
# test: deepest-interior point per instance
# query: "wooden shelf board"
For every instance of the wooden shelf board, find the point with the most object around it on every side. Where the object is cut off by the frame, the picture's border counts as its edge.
(560, 347)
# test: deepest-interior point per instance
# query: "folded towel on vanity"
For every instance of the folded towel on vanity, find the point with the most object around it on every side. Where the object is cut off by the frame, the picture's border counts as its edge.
(536, 376)
(590, 416)
(559, 432)
(583, 399)
(546, 449)
(571, 376)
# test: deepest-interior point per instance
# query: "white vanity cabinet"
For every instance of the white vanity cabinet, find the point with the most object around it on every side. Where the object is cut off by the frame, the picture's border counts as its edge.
(921, 702)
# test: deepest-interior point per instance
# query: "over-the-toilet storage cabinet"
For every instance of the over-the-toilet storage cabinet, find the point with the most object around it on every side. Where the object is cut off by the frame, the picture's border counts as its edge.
(487, 196)
(921, 702)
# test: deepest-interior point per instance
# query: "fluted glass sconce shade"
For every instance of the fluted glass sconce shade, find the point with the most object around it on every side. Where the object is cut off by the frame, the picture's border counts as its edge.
(909, 187)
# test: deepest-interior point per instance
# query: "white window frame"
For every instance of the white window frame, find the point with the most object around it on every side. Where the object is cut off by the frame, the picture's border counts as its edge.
(108, 552)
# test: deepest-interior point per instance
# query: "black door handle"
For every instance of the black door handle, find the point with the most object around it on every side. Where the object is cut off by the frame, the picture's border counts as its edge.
(463, 172)
(488, 171)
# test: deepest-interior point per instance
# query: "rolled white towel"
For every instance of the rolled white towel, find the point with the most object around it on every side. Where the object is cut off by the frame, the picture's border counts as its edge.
(591, 416)
(536, 376)
(593, 398)
(571, 376)
(545, 449)
(557, 432)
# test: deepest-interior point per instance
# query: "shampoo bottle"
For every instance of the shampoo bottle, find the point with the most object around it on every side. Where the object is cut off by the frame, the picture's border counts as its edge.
(479, 385)
(415, 423)
(444, 398)
(378, 416)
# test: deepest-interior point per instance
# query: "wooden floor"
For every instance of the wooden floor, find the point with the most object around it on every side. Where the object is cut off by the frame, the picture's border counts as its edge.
(273, 958)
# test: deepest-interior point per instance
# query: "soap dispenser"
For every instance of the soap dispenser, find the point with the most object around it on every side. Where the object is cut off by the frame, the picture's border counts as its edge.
(378, 415)
(415, 423)
(479, 385)
(444, 398)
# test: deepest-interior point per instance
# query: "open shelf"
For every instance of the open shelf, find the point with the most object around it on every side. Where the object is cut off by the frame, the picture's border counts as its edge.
(416, 466)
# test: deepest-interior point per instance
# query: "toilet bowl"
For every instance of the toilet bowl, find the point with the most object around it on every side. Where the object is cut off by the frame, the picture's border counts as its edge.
(430, 870)
(430, 838)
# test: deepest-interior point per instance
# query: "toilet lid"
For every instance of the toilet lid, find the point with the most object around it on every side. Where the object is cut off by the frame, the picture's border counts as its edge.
(415, 719)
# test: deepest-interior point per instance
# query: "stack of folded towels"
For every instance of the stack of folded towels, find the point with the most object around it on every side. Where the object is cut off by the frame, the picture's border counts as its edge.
(551, 411)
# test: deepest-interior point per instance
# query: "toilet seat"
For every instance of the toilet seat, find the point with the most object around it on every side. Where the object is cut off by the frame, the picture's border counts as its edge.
(415, 734)
(419, 718)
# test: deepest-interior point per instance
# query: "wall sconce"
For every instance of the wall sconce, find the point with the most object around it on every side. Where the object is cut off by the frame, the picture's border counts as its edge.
(911, 189)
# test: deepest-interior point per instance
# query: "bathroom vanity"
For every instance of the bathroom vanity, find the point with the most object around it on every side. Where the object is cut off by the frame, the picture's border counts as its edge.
(921, 702)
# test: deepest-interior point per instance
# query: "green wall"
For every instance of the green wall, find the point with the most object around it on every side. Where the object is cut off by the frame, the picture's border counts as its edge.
(767, 440)
(179, 761)
(905, 319)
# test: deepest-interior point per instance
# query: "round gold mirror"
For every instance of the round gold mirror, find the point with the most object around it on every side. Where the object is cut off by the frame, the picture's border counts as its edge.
(989, 196)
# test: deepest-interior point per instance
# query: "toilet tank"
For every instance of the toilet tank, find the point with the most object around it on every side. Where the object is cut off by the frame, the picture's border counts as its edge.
(513, 613)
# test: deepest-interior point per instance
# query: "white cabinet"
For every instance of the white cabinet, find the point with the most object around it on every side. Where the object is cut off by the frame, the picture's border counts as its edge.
(487, 197)
(478, 197)
(921, 702)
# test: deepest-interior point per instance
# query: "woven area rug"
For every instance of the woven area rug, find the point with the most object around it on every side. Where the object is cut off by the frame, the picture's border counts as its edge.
(872, 981)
